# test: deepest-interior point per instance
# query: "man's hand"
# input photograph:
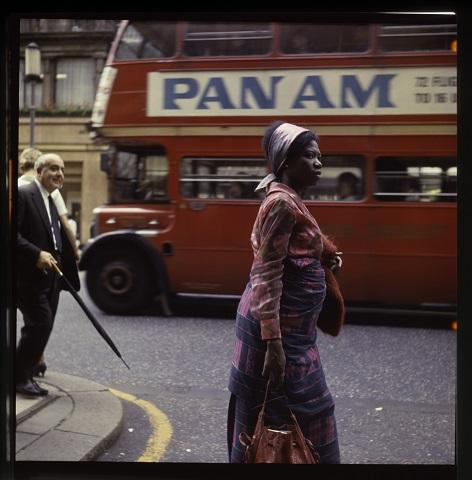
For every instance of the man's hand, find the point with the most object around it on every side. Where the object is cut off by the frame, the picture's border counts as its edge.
(45, 261)
(274, 362)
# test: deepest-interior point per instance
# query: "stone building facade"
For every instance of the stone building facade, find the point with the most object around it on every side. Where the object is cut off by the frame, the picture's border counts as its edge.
(73, 54)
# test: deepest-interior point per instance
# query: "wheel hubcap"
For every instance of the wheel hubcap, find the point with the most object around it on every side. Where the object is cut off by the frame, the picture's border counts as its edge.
(117, 277)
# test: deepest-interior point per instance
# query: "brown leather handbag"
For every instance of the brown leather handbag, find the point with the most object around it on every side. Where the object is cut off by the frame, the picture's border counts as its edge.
(284, 444)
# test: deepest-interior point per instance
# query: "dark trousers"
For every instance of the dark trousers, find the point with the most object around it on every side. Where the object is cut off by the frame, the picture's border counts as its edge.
(39, 310)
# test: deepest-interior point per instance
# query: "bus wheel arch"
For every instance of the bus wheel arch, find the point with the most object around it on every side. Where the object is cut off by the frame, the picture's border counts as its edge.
(124, 273)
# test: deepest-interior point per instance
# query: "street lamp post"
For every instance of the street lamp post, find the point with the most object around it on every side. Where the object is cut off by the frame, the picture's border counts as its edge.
(32, 76)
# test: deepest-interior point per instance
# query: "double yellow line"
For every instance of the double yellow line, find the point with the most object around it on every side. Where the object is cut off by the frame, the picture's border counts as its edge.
(161, 427)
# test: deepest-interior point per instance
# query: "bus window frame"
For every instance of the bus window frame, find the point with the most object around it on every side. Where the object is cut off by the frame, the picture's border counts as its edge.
(141, 154)
(224, 179)
(363, 179)
(423, 198)
(388, 53)
(121, 31)
(181, 44)
(368, 52)
(373, 51)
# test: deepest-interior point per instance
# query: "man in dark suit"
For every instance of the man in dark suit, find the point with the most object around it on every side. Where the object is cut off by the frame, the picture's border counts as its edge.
(41, 243)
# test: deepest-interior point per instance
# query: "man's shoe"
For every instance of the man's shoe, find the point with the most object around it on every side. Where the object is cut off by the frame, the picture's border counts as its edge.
(42, 390)
(31, 389)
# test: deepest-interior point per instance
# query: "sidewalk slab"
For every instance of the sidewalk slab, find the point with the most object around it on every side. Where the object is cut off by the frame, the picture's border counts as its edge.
(57, 446)
(27, 406)
(24, 439)
(75, 422)
(49, 417)
(90, 413)
(71, 383)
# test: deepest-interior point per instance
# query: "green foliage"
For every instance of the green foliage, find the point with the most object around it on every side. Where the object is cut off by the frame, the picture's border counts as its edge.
(72, 111)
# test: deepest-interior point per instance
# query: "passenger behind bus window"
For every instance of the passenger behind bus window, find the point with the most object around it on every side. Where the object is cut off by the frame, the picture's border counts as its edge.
(411, 186)
(449, 186)
(235, 190)
(152, 189)
(299, 43)
(296, 39)
(347, 187)
(240, 189)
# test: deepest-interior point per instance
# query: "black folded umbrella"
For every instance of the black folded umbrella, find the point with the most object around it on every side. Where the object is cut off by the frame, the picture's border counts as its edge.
(89, 314)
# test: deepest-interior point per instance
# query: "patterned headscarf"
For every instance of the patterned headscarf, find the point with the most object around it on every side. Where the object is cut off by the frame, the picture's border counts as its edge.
(279, 143)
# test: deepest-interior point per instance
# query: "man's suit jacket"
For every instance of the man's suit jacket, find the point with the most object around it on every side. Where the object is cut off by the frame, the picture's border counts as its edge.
(34, 234)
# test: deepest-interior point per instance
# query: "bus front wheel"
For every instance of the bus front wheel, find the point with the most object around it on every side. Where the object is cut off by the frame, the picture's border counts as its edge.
(119, 282)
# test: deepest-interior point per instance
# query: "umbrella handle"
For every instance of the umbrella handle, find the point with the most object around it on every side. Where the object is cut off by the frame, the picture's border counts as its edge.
(57, 269)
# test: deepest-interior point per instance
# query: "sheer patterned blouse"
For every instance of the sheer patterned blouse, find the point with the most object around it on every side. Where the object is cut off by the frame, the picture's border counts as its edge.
(284, 230)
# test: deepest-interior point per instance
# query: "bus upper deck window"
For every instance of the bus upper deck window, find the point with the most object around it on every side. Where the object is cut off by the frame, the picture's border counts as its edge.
(304, 38)
(147, 40)
(227, 39)
(409, 38)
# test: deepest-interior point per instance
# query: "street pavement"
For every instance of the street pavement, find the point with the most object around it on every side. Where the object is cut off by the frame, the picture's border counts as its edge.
(76, 421)
(394, 388)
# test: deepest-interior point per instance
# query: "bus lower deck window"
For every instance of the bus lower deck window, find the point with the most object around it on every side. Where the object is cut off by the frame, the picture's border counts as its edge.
(416, 179)
(342, 179)
(221, 178)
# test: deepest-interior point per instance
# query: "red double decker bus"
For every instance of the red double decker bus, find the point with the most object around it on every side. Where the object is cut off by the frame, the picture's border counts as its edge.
(183, 107)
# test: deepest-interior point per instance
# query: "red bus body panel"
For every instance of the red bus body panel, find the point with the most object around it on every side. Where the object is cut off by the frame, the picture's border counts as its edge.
(394, 254)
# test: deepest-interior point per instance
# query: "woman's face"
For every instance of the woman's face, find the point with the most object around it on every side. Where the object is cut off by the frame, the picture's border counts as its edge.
(305, 170)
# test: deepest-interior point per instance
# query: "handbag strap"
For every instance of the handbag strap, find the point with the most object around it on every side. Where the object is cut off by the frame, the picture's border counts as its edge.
(261, 413)
(308, 444)
(265, 398)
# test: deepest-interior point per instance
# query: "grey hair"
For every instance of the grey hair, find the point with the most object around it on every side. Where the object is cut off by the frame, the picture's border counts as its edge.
(44, 159)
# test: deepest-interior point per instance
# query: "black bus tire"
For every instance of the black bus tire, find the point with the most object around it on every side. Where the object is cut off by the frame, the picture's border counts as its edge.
(119, 281)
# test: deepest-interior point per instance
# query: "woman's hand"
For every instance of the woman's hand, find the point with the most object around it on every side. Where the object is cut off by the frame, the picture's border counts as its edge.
(274, 362)
(337, 261)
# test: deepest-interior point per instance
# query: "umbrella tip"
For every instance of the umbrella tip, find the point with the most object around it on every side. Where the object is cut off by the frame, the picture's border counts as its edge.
(127, 366)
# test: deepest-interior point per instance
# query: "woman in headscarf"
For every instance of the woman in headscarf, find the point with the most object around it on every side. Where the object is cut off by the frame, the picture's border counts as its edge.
(278, 311)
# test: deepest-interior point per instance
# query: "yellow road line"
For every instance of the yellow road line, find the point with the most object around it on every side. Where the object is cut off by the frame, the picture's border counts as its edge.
(161, 427)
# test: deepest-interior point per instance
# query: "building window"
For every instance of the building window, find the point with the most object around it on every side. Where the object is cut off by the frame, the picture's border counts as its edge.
(227, 39)
(75, 83)
(416, 179)
(309, 39)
